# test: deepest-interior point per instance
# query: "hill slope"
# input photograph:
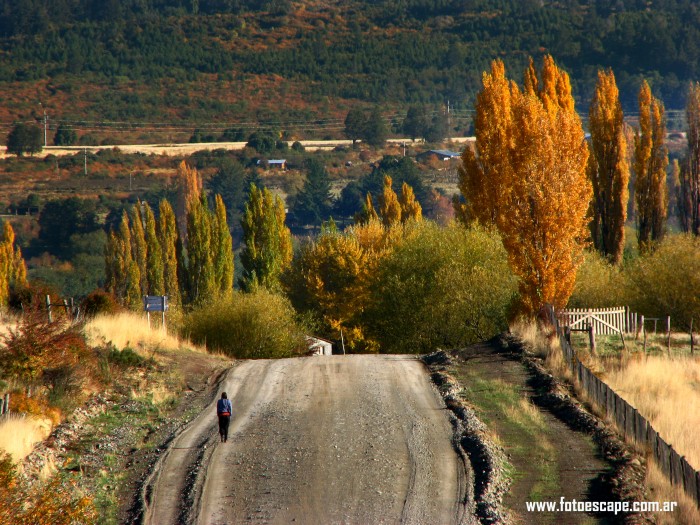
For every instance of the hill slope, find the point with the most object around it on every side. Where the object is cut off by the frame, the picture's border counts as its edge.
(172, 65)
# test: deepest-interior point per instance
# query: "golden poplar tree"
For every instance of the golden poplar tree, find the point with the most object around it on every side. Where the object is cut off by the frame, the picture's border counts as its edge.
(139, 247)
(128, 275)
(13, 271)
(486, 171)
(368, 212)
(169, 239)
(410, 207)
(285, 235)
(154, 254)
(650, 163)
(222, 248)
(189, 190)
(527, 176)
(111, 263)
(608, 168)
(389, 206)
(689, 177)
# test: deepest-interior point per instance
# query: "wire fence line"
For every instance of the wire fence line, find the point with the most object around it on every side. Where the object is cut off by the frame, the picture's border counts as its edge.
(629, 422)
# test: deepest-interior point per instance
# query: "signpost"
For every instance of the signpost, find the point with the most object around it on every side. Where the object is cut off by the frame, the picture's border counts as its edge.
(155, 303)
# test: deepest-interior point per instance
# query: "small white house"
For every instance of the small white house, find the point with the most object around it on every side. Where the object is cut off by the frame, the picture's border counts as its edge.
(440, 154)
(274, 164)
(318, 346)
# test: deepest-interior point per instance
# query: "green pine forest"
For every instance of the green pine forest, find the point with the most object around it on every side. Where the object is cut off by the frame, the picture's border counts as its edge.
(198, 61)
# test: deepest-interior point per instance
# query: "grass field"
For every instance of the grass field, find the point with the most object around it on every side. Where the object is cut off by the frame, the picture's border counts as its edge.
(664, 387)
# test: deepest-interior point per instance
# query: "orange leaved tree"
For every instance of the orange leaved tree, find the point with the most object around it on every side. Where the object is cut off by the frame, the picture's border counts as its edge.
(527, 176)
(650, 163)
(608, 168)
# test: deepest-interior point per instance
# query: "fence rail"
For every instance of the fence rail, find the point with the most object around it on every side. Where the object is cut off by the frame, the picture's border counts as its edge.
(605, 321)
(629, 422)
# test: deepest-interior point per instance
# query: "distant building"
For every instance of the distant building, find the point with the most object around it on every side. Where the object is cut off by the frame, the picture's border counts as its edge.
(318, 346)
(440, 154)
(276, 164)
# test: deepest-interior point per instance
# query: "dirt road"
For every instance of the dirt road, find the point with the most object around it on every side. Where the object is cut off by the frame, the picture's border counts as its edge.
(341, 439)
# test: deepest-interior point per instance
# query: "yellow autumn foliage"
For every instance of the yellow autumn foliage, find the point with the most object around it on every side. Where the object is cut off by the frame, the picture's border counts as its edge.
(650, 162)
(527, 176)
(13, 271)
(608, 168)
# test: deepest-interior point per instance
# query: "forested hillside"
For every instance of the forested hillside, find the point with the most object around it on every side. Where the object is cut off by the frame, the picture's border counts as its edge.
(194, 61)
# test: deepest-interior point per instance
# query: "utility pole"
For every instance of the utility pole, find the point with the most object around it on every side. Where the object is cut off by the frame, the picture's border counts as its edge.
(449, 134)
(46, 125)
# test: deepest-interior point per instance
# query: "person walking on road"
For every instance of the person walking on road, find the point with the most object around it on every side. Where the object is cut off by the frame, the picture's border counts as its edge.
(224, 411)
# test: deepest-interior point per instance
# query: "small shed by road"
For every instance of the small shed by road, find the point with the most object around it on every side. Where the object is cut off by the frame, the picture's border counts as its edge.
(274, 164)
(440, 154)
(318, 346)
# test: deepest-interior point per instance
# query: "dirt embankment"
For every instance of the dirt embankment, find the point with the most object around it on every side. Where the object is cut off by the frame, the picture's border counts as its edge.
(554, 448)
(341, 439)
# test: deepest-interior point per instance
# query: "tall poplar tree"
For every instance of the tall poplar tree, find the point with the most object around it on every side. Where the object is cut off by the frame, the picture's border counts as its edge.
(267, 246)
(410, 207)
(139, 248)
(368, 212)
(527, 176)
(128, 282)
(111, 263)
(169, 240)
(608, 168)
(650, 162)
(200, 259)
(389, 206)
(13, 271)
(154, 254)
(189, 189)
(689, 179)
(222, 249)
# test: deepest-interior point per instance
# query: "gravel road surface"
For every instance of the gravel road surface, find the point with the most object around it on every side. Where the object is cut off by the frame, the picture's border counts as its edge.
(323, 440)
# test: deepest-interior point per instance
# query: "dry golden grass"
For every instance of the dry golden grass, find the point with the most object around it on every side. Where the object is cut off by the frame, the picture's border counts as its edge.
(529, 333)
(659, 489)
(7, 322)
(542, 344)
(19, 434)
(666, 392)
(132, 330)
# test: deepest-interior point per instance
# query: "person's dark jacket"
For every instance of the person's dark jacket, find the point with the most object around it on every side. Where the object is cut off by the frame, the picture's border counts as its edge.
(224, 405)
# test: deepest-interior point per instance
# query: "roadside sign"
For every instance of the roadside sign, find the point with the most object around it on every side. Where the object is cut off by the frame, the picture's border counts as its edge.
(155, 303)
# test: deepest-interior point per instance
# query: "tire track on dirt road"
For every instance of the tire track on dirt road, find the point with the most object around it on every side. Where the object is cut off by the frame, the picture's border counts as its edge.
(334, 439)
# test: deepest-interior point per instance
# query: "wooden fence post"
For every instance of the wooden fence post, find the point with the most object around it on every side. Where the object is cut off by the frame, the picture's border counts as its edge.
(668, 335)
(645, 338)
(48, 307)
(591, 339)
(692, 341)
(5, 404)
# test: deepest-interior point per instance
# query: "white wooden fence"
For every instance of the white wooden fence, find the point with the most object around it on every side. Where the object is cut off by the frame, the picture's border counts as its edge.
(605, 321)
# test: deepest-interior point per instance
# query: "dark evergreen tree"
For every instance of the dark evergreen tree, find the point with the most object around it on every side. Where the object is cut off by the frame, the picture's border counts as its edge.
(355, 124)
(65, 136)
(262, 141)
(415, 123)
(312, 204)
(25, 138)
(438, 129)
(229, 181)
(60, 219)
(375, 132)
